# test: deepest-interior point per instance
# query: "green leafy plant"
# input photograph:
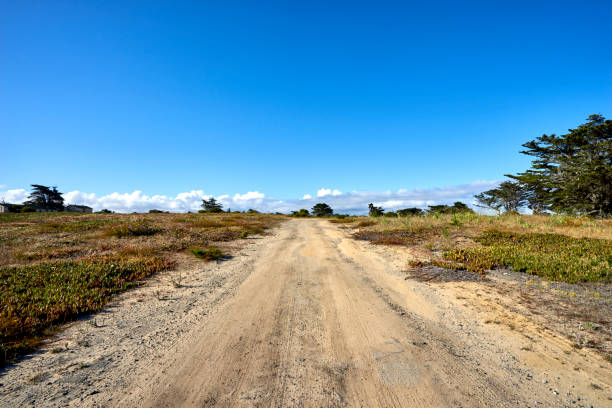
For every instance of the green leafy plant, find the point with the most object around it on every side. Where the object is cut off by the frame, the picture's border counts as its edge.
(210, 254)
(35, 298)
(556, 257)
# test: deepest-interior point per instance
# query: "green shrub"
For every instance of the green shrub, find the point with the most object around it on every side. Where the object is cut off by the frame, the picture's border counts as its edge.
(26, 209)
(210, 254)
(456, 221)
(390, 214)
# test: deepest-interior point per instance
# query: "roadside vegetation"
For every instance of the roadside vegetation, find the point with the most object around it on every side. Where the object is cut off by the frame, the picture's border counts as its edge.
(568, 189)
(557, 247)
(57, 266)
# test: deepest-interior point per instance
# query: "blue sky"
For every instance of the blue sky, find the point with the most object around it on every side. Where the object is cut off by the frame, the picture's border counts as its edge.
(287, 98)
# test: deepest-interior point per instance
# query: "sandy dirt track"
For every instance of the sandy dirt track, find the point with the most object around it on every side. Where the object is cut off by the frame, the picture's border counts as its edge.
(308, 317)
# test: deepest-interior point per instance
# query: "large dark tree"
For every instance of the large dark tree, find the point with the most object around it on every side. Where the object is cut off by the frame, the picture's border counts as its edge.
(45, 198)
(510, 196)
(322, 210)
(212, 205)
(571, 173)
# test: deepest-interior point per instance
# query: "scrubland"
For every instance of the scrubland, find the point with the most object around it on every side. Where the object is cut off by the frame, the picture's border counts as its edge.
(57, 266)
(556, 247)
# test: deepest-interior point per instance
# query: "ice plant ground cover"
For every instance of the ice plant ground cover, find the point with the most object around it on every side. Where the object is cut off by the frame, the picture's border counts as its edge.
(560, 248)
(55, 267)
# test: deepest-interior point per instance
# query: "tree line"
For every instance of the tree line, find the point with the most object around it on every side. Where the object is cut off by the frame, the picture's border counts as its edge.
(570, 173)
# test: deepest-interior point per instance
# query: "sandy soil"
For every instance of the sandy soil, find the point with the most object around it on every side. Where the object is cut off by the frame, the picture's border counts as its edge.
(308, 317)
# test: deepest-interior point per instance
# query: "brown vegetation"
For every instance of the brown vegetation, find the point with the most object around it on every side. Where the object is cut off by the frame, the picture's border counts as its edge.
(55, 266)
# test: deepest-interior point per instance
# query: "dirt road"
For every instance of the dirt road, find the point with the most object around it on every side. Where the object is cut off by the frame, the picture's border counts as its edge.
(316, 319)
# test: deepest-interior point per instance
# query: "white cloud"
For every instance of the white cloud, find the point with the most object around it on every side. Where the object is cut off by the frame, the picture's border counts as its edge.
(251, 195)
(322, 192)
(14, 196)
(354, 202)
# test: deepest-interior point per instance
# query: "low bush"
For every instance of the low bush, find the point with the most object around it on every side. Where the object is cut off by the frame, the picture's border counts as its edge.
(390, 214)
(132, 229)
(209, 254)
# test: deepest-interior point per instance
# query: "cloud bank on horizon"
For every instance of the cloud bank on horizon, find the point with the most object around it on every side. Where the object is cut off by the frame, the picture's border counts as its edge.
(354, 202)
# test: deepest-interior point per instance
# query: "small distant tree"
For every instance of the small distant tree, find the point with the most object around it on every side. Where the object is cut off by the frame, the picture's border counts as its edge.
(322, 210)
(301, 213)
(375, 211)
(390, 214)
(45, 198)
(410, 211)
(105, 211)
(456, 208)
(459, 207)
(212, 205)
(489, 199)
(510, 196)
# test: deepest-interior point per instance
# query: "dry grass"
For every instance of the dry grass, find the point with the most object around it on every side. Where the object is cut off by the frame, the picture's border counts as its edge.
(472, 225)
(26, 239)
(56, 266)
